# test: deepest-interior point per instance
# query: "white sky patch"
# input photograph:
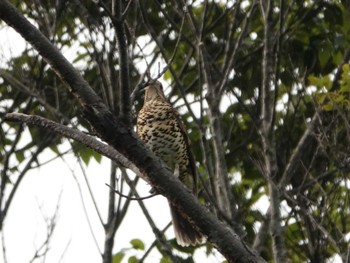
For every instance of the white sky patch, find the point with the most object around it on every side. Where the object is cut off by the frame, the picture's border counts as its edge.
(262, 204)
(245, 4)
(232, 74)
(42, 187)
(229, 4)
(236, 178)
(227, 100)
(145, 50)
(281, 104)
(311, 90)
(253, 35)
(194, 103)
(11, 44)
(347, 237)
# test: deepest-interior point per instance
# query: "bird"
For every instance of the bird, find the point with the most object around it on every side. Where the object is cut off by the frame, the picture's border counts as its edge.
(160, 127)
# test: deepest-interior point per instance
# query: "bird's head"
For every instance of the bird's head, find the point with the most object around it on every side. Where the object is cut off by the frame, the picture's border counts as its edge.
(154, 91)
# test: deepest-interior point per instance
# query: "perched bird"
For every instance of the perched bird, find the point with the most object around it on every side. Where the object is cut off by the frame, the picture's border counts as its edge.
(160, 127)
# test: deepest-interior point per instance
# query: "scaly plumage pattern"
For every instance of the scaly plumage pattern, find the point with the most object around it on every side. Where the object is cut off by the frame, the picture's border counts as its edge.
(160, 127)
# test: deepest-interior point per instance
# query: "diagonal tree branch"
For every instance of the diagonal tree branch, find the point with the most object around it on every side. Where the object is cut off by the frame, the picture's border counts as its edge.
(122, 138)
(76, 135)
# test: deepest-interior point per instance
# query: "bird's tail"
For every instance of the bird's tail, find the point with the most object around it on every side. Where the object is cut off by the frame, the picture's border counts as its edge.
(185, 233)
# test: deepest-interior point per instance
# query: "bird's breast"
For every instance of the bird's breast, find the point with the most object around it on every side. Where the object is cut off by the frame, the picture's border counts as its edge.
(160, 130)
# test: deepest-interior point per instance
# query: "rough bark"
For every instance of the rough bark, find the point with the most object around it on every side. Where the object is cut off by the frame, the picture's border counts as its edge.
(267, 111)
(124, 83)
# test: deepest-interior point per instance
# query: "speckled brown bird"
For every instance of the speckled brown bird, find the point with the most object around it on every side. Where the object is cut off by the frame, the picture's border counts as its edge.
(159, 125)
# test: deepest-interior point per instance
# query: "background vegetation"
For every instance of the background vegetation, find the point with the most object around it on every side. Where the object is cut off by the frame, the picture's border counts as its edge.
(263, 87)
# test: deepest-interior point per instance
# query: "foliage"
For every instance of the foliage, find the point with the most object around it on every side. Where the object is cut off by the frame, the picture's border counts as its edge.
(223, 41)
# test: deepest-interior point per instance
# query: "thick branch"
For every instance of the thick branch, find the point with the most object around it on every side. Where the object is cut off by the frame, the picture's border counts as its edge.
(111, 225)
(124, 95)
(224, 199)
(261, 235)
(267, 101)
(117, 134)
(76, 135)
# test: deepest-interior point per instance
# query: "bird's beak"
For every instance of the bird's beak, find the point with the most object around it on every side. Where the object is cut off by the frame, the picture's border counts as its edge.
(142, 88)
(138, 91)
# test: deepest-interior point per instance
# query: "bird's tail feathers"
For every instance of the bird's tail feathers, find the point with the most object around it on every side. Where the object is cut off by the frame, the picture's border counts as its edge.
(185, 233)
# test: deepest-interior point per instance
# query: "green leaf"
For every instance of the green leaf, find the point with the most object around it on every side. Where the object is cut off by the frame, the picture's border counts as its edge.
(137, 244)
(345, 78)
(165, 260)
(20, 156)
(322, 82)
(97, 156)
(80, 56)
(328, 107)
(117, 258)
(85, 154)
(54, 148)
(324, 56)
(133, 259)
(345, 88)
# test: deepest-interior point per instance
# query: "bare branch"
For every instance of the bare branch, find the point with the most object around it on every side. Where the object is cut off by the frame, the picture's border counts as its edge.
(44, 143)
(131, 198)
(238, 43)
(86, 213)
(4, 255)
(164, 245)
(89, 189)
(43, 249)
(267, 111)
(260, 238)
(112, 223)
(76, 135)
(170, 61)
(32, 93)
(124, 82)
(155, 242)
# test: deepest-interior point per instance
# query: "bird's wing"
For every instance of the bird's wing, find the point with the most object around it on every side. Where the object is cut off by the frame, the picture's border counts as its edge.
(192, 162)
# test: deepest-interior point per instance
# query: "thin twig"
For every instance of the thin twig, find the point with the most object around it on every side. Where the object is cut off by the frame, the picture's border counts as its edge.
(44, 143)
(89, 189)
(126, 9)
(32, 93)
(85, 212)
(238, 43)
(44, 248)
(170, 61)
(3, 247)
(164, 245)
(64, 251)
(155, 242)
(131, 198)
